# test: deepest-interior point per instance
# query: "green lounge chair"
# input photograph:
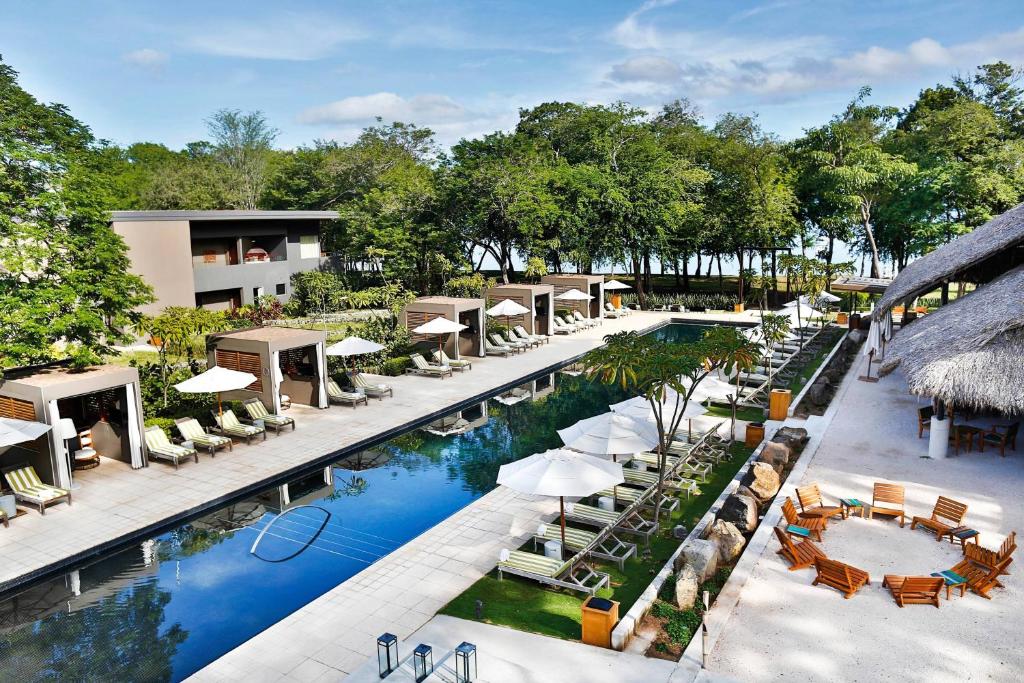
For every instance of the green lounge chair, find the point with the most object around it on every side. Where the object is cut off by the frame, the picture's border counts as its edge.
(650, 480)
(627, 495)
(572, 574)
(524, 335)
(258, 411)
(29, 488)
(629, 521)
(651, 460)
(441, 358)
(191, 430)
(338, 395)
(161, 448)
(498, 341)
(493, 350)
(230, 425)
(420, 366)
(604, 546)
(378, 391)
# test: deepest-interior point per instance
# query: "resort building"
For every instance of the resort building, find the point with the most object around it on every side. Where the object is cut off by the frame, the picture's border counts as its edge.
(588, 284)
(539, 299)
(221, 259)
(468, 312)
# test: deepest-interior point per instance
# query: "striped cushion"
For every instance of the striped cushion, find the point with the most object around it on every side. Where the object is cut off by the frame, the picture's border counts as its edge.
(258, 411)
(209, 439)
(630, 495)
(25, 482)
(191, 430)
(640, 477)
(592, 513)
(532, 563)
(230, 424)
(157, 442)
(652, 459)
(574, 538)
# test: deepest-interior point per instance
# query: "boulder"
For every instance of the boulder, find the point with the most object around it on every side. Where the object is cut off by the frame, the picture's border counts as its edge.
(687, 587)
(742, 490)
(794, 437)
(702, 555)
(763, 480)
(680, 532)
(775, 453)
(818, 393)
(741, 510)
(728, 538)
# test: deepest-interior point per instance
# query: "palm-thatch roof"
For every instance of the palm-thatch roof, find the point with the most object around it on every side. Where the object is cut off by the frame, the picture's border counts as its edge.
(978, 256)
(970, 352)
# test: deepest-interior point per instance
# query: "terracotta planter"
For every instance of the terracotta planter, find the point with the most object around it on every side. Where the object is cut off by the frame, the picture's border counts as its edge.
(739, 308)
(755, 434)
(616, 301)
(841, 319)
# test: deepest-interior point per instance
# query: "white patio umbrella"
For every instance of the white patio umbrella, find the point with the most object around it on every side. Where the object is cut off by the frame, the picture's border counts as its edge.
(822, 298)
(613, 285)
(639, 408)
(440, 326)
(507, 308)
(574, 295)
(214, 381)
(353, 346)
(14, 431)
(872, 346)
(560, 472)
(711, 387)
(610, 434)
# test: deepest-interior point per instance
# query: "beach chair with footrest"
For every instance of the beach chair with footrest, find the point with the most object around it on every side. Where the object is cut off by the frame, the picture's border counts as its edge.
(258, 411)
(191, 430)
(29, 488)
(161, 448)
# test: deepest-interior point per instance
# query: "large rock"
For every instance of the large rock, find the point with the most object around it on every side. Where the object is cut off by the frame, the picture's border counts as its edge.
(742, 490)
(702, 555)
(775, 454)
(741, 510)
(763, 480)
(728, 538)
(794, 437)
(687, 587)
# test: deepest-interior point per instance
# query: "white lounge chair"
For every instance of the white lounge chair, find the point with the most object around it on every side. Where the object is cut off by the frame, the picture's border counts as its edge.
(441, 358)
(161, 448)
(420, 366)
(491, 350)
(29, 488)
(524, 335)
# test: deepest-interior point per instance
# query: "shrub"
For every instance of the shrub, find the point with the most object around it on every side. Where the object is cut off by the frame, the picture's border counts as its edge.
(164, 423)
(471, 286)
(394, 367)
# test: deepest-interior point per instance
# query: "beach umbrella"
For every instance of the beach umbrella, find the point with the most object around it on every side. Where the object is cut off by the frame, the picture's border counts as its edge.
(353, 346)
(507, 308)
(440, 326)
(610, 434)
(574, 295)
(711, 387)
(639, 408)
(14, 431)
(560, 472)
(214, 381)
(615, 284)
(872, 346)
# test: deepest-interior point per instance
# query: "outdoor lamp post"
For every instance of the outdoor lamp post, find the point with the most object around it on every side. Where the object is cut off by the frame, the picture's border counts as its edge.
(68, 432)
(422, 662)
(387, 654)
(465, 663)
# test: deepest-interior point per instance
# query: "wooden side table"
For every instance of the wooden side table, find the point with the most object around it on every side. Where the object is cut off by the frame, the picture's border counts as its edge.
(852, 505)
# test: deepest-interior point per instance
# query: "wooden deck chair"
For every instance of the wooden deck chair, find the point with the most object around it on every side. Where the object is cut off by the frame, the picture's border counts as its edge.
(29, 488)
(914, 590)
(573, 574)
(843, 577)
(813, 505)
(160, 447)
(802, 527)
(978, 576)
(801, 554)
(946, 515)
(887, 500)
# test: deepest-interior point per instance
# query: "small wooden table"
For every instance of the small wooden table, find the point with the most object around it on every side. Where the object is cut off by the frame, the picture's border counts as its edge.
(852, 505)
(966, 432)
(963, 534)
(952, 580)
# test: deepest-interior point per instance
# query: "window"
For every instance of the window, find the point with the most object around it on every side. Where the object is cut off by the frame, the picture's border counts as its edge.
(209, 256)
(257, 292)
(309, 246)
(16, 408)
(279, 289)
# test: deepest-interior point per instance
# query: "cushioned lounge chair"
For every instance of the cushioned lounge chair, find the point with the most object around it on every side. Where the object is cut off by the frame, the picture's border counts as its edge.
(441, 358)
(230, 425)
(650, 479)
(610, 311)
(628, 495)
(161, 448)
(569, 322)
(496, 340)
(524, 335)
(420, 366)
(578, 318)
(513, 338)
(573, 574)
(602, 545)
(191, 430)
(29, 488)
(491, 350)
(258, 411)
(335, 394)
(629, 521)
(560, 327)
(376, 390)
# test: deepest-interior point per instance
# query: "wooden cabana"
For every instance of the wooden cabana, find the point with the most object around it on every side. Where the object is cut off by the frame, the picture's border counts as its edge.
(469, 312)
(539, 299)
(590, 284)
(286, 361)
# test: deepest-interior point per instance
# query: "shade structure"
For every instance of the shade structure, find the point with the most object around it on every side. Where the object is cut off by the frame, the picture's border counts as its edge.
(507, 308)
(574, 295)
(214, 381)
(439, 327)
(711, 387)
(639, 408)
(14, 431)
(353, 346)
(615, 284)
(610, 434)
(818, 300)
(560, 472)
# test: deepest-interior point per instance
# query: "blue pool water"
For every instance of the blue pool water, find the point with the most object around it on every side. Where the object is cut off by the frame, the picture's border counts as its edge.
(167, 606)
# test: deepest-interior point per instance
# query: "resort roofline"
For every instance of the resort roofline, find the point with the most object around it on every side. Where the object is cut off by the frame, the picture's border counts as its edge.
(222, 215)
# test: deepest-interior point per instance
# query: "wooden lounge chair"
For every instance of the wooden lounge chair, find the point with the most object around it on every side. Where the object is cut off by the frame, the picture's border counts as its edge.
(977, 572)
(160, 447)
(801, 554)
(441, 358)
(377, 391)
(843, 577)
(573, 574)
(258, 411)
(491, 350)
(946, 515)
(191, 430)
(29, 488)
(602, 545)
(524, 335)
(230, 425)
(420, 366)
(990, 559)
(628, 521)
(914, 590)
(887, 500)
(802, 527)
(1002, 436)
(812, 504)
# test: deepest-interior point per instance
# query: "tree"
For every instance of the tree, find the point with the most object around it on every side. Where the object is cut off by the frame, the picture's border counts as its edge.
(65, 285)
(242, 142)
(174, 330)
(774, 329)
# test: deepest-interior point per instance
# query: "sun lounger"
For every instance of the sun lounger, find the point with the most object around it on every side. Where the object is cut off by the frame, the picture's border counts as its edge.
(258, 411)
(568, 322)
(524, 335)
(338, 395)
(160, 447)
(628, 495)
(511, 338)
(561, 327)
(378, 391)
(230, 425)
(650, 479)
(441, 358)
(629, 521)
(496, 340)
(29, 488)
(578, 318)
(845, 578)
(191, 430)
(610, 311)
(887, 500)
(812, 504)
(946, 515)
(491, 350)
(420, 366)
(572, 574)
(802, 528)
(604, 546)
(914, 590)
(801, 554)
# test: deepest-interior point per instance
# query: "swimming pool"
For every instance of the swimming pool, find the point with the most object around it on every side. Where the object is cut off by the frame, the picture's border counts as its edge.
(169, 605)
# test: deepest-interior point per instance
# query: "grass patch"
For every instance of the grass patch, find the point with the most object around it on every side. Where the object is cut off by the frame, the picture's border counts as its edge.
(797, 384)
(748, 414)
(527, 606)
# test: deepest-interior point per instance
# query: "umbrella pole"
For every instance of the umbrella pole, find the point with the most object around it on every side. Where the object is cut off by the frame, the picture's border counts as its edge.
(220, 407)
(561, 509)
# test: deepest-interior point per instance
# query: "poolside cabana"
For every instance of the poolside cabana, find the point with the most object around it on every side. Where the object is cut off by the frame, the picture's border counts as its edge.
(468, 312)
(101, 403)
(286, 361)
(539, 299)
(591, 284)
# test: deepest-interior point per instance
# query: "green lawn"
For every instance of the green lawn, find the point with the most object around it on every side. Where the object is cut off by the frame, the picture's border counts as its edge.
(797, 384)
(527, 606)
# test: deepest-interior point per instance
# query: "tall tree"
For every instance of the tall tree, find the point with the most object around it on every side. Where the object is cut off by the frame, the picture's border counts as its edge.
(243, 142)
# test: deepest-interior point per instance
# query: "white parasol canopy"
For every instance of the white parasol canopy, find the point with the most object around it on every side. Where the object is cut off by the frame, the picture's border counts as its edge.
(711, 387)
(821, 298)
(440, 326)
(873, 344)
(639, 408)
(14, 431)
(214, 381)
(507, 308)
(615, 284)
(353, 346)
(610, 434)
(574, 295)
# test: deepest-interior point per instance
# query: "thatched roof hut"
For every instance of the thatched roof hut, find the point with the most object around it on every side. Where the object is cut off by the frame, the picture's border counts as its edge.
(970, 352)
(986, 252)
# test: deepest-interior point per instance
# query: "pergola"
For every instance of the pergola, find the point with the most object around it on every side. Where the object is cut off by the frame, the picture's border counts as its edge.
(467, 311)
(589, 284)
(539, 299)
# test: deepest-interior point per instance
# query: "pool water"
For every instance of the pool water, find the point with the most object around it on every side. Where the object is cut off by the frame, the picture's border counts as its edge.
(166, 607)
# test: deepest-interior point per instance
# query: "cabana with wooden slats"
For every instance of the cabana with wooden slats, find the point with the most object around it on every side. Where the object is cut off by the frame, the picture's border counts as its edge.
(286, 362)
(589, 284)
(539, 299)
(466, 311)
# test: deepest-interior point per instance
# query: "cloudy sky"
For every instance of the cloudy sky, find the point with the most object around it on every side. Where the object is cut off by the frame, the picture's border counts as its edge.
(138, 70)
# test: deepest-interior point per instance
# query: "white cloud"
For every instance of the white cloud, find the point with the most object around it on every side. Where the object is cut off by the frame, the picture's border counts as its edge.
(146, 58)
(292, 37)
(389, 106)
(646, 69)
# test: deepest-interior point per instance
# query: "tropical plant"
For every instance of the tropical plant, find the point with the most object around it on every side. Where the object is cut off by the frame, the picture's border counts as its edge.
(175, 331)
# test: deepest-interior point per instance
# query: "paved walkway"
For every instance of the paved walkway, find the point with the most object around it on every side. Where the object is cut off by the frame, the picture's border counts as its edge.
(115, 503)
(782, 627)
